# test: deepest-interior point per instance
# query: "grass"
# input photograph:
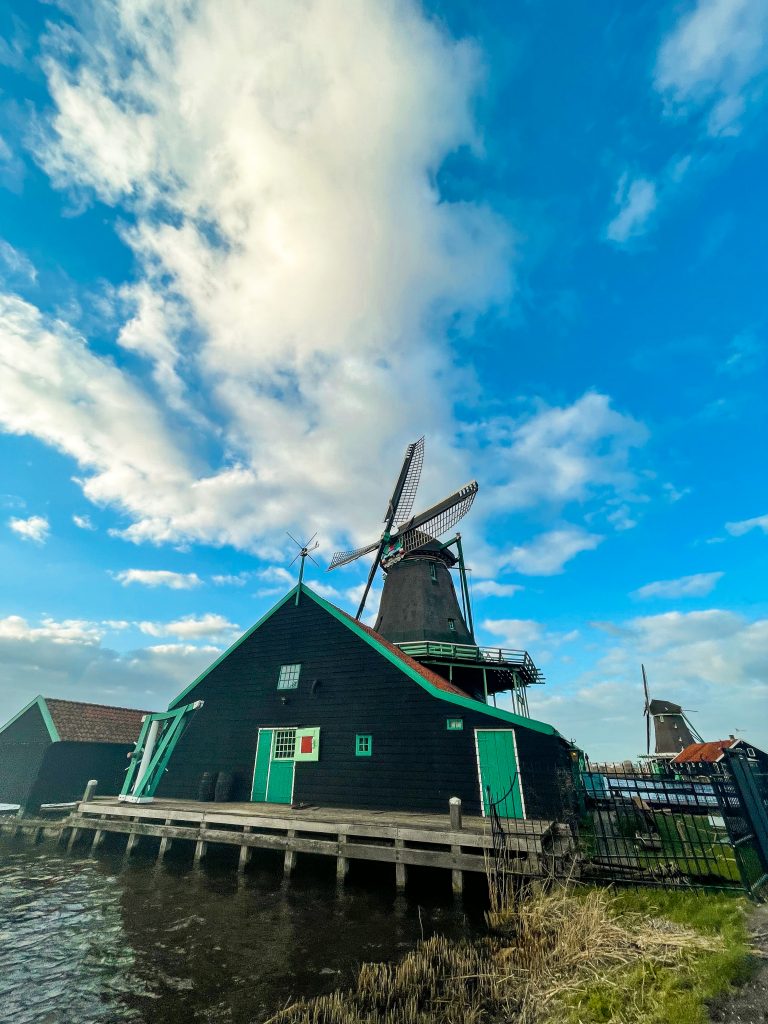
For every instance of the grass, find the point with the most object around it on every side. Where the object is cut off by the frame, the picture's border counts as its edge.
(559, 955)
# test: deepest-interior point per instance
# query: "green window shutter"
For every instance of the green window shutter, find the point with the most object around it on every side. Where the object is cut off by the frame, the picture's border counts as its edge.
(363, 745)
(307, 745)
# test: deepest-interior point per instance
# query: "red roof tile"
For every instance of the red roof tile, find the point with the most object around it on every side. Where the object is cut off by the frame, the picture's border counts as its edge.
(698, 753)
(424, 672)
(94, 723)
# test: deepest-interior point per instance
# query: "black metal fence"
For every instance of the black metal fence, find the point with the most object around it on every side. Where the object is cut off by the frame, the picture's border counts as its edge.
(641, 828)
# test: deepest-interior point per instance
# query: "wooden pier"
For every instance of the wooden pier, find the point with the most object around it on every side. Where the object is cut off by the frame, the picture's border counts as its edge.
(401, 838)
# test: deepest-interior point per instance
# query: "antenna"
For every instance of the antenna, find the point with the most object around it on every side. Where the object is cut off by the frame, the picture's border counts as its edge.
(305, 551)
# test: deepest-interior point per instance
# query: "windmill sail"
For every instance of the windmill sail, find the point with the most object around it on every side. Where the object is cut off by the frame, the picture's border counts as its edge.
(404, 533)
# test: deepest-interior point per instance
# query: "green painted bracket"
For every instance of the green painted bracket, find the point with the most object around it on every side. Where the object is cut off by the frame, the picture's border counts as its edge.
(173, 725)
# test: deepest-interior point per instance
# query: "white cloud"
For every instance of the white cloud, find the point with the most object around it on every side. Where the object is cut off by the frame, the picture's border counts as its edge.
(636, 201)
(490, 588)
(558, 454)
(67, 659)
(548, 553)
(35, 528)
(517, 634)
(714, 61)
(738, 529)
(16, 265)
(279, 293)
(191, 627)
(698, 585)
(713, 662)
(69, 631)
(83, 522)
(159, 578)
(228, 580)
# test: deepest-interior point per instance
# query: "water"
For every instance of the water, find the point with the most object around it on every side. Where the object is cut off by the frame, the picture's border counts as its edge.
(98, 940)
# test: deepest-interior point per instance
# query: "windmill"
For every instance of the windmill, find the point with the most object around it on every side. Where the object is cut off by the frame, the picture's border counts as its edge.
(405, 535)
(672, 730)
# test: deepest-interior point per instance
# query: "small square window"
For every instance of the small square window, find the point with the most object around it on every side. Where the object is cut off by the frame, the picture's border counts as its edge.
(452, 625)
(283, 744)
(454, 724)
(289, 677)
(363, 746)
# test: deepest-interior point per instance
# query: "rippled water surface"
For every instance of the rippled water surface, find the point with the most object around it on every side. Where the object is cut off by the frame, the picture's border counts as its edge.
(86, 940)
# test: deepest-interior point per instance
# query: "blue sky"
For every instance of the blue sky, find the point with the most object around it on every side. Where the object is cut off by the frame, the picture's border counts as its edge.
(249, 251)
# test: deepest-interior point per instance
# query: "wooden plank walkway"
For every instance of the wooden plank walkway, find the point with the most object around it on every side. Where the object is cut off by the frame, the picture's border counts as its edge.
(400, 838)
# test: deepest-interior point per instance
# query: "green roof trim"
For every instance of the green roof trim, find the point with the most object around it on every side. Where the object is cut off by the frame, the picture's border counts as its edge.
(53, 732)
(235, 645)
(451, 698)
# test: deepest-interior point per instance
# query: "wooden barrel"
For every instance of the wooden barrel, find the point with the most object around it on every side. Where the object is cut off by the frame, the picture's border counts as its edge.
(224, 784)
(207, 788)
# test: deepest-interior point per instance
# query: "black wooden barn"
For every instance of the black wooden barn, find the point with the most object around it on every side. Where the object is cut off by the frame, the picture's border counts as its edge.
(51, 748)
(311, 707)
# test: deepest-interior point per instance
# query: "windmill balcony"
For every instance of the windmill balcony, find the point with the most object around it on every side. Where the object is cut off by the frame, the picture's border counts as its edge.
(502, 669)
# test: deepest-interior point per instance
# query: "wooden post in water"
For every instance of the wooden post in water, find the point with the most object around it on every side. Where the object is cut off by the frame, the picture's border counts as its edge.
(200, 850)
(401, 871)
(73, 835)
(342, 863)
(98, 836)
(90, 789)
(246, 852)
(290, 855)
(130, 846)
(165, 844)
(457, 875)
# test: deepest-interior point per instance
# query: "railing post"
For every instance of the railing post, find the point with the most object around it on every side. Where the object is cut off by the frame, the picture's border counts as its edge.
(90, 789)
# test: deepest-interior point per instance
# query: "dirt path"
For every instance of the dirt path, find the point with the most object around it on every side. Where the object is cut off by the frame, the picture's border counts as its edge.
(750, 1004)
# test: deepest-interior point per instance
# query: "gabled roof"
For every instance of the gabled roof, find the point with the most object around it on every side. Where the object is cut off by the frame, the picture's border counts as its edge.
(698, 753)
(78, 722)
(425, 677)
(94, 723)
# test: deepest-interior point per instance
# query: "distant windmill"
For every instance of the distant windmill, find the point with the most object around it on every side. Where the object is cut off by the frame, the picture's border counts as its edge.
(672, 730)
(403, 533)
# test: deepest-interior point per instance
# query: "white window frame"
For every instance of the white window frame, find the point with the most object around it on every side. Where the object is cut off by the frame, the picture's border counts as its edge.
(288, 677)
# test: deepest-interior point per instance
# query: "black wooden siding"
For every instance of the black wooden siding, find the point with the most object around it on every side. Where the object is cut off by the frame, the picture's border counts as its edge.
(417, 764)
(67, 766)
(22, 748)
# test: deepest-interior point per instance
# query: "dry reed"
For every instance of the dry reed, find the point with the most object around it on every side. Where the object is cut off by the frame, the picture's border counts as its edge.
(546, 945)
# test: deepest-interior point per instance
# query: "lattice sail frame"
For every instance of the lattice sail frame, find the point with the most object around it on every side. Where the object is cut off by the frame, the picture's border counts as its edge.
(411, 484)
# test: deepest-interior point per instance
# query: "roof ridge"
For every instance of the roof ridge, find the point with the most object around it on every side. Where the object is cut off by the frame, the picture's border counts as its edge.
(96, 704)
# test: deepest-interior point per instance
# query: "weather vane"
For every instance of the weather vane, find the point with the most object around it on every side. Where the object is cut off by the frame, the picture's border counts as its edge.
(304, 553)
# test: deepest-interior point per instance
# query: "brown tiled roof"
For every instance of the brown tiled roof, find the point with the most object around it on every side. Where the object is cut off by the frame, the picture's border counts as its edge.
(94, 723)
(697, 753)
(424, 672)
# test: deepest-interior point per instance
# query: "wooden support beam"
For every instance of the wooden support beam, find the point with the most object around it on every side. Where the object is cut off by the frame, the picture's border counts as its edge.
(200, 850)
(289, 863)
(73, 836)
(133, 838)
(165, 843)
(401, 871)
(98, 836)
(457, 875)
(246, 852)
(342, 862)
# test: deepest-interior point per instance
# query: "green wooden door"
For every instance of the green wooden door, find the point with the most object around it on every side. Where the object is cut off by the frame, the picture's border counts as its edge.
(497, 758)
(273, 774)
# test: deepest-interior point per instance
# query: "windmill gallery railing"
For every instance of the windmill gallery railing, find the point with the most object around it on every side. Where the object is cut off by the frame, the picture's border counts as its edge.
(632, 829)
(489, 657)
